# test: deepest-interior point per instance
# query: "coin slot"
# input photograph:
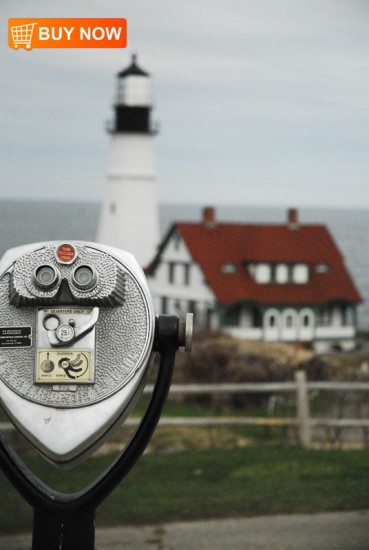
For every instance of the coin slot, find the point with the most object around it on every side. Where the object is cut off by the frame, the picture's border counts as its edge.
(51, 322)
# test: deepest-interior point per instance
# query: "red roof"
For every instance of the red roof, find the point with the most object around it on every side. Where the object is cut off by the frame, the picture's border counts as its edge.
(212, 247)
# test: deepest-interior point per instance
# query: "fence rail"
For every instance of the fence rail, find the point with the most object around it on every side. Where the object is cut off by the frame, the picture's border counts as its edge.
(262, 387)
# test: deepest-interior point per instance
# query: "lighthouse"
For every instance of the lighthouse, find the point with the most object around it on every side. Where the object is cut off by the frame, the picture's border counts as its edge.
(129, 217)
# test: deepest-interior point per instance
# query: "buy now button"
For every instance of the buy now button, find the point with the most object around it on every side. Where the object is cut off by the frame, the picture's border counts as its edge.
(67, 33)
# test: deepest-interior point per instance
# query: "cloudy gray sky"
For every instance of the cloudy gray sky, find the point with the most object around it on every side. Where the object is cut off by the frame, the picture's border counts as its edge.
(259, 101)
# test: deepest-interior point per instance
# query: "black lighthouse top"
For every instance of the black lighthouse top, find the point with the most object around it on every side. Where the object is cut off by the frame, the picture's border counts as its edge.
(133, 105)
(133, 69)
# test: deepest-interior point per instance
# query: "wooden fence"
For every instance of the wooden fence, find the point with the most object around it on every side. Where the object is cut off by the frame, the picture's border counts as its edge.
(303, 422)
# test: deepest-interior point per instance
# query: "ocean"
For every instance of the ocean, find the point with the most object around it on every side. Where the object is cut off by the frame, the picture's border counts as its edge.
(24, 222)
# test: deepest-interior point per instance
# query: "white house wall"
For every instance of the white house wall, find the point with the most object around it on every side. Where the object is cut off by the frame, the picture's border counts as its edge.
(291, 325)
(245, 333)
(178, 294)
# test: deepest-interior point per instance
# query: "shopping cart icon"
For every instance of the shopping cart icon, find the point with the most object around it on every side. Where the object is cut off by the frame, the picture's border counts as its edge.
(22, 35)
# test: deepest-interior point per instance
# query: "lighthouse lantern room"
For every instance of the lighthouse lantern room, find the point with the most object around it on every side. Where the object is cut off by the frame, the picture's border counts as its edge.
(129, 216)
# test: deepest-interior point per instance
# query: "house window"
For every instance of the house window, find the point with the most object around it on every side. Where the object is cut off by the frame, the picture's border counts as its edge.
(280, 273)
(171, 272)
(349, 316)
(300, 274)
(191, 306)
(256, 317)
(229, 267)
(323, 316)
(208, 318)
(306, 320)
(231, 317)
(186, 274)
(262, 273)
(272, 321)
(289, 321)
(322, 267)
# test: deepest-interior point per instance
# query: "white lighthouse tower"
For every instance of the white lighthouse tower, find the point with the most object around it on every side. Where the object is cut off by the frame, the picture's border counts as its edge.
(129, 218)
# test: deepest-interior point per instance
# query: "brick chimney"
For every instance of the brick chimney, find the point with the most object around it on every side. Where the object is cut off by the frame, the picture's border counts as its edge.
(208, 217)
(292, 219)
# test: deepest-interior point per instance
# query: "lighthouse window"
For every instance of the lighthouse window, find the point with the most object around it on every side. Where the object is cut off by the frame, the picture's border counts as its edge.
(120, 94)
(113, 208)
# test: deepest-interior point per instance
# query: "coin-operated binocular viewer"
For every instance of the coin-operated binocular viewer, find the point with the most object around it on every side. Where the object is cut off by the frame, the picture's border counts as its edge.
(77, 336)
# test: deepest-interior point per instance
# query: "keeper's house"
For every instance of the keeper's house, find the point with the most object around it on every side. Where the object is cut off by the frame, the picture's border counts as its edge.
(285, 283)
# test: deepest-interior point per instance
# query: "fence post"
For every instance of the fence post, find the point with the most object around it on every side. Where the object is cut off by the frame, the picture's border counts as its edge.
(302, 410)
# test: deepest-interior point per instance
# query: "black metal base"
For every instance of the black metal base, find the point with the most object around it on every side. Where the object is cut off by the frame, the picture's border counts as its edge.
(74, 531)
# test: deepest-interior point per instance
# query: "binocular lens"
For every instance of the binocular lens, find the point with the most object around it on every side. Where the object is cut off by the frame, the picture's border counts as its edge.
(84, 277)
(46, 277)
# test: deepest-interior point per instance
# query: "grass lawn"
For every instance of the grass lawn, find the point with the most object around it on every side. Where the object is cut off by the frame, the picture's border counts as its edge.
(210, 483)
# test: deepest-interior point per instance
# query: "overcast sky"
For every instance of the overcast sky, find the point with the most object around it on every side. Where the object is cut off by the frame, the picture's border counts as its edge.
(260, 102)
